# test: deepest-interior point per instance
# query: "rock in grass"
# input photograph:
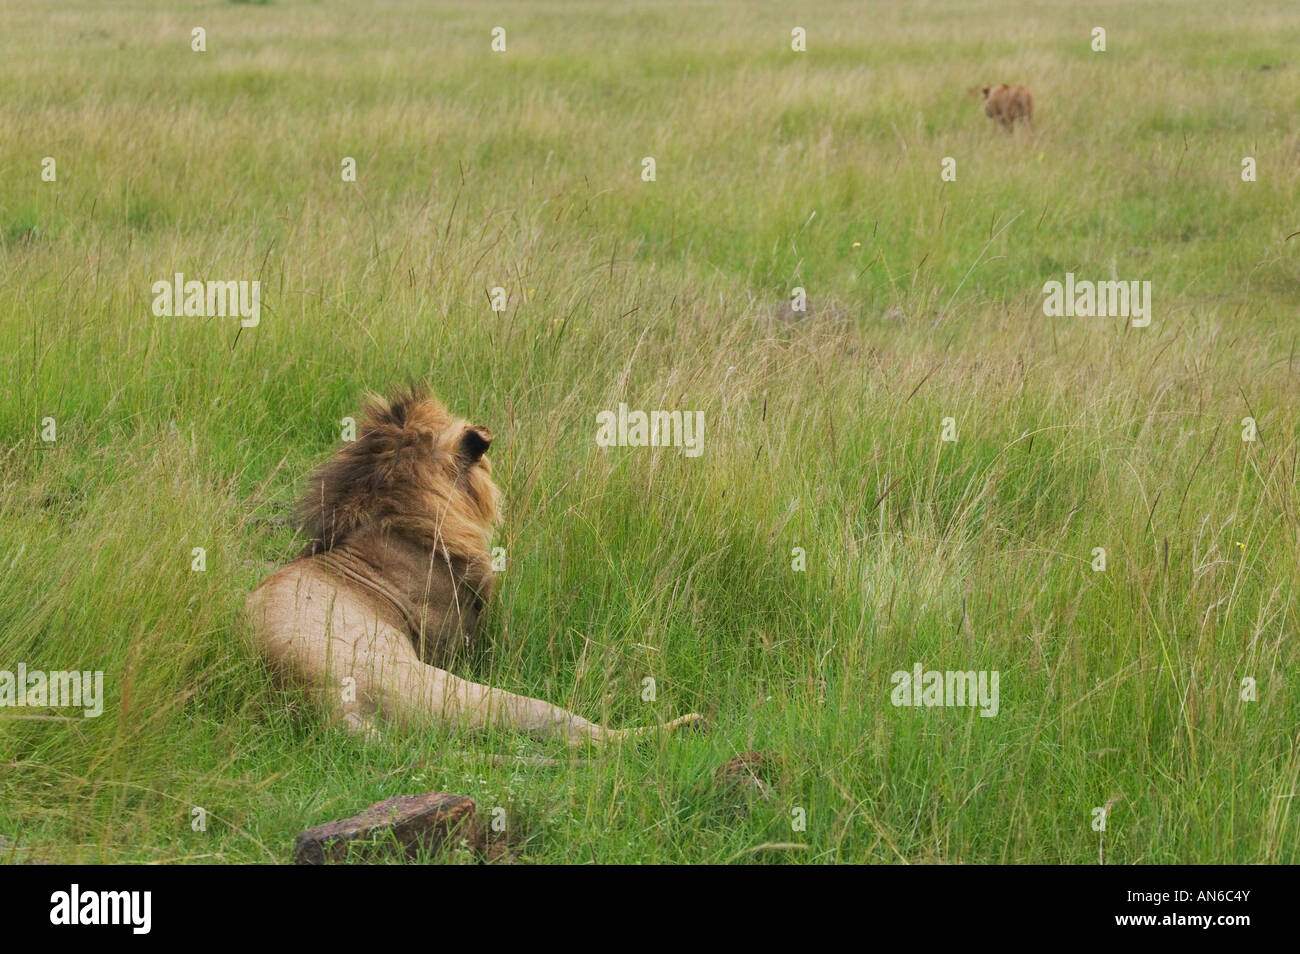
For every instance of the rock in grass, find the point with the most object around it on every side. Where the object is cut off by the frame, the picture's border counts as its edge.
(411, 821)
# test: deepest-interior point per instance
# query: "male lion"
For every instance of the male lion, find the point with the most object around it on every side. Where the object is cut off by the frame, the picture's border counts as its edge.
(375, 607)
(1008, 105)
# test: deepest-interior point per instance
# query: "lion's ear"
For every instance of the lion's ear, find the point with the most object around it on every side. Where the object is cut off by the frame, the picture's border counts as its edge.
(474, 443)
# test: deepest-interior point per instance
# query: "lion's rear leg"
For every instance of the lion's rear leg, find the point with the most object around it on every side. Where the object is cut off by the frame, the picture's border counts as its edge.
(418, 691)
(423, 691)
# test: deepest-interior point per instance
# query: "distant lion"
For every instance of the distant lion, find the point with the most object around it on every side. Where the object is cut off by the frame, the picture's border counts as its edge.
(1008, 105)
(374, 609)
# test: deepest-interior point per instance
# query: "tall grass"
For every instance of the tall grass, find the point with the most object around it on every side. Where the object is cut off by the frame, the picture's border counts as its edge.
(774, 170)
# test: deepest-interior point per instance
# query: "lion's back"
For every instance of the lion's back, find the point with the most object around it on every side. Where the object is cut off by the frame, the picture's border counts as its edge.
(304, 613)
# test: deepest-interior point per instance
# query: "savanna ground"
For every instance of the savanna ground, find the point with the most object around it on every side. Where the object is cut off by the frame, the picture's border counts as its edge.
(775, 169)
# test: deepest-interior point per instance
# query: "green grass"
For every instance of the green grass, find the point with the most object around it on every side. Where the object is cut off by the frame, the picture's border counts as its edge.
(522, 170)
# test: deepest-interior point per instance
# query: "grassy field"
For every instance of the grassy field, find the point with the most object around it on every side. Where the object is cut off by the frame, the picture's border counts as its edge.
(775, 169)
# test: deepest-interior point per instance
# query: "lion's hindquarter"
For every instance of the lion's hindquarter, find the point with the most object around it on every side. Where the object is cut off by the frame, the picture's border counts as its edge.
(1024, 101)
(323, 630)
